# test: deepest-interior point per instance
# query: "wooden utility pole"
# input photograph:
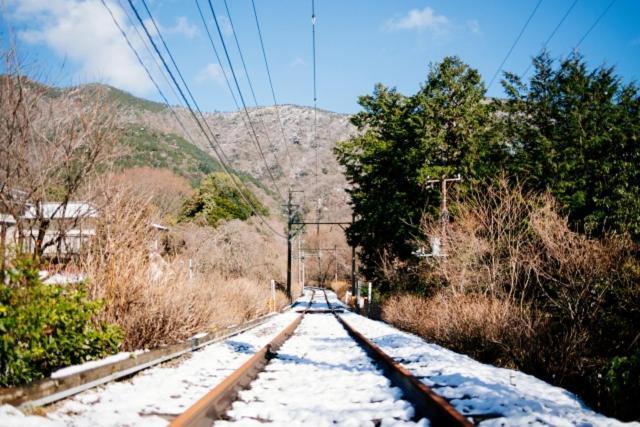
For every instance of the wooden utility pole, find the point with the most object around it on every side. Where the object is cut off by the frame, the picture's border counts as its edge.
(444, 212)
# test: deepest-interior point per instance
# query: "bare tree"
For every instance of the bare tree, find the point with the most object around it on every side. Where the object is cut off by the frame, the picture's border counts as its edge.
(50, 142)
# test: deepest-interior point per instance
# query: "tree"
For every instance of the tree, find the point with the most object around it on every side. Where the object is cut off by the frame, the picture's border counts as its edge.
(575, 133)
(50, 143)
(444, 129)
(218, 199)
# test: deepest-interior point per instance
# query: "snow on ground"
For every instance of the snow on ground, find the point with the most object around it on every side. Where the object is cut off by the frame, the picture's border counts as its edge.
(70, 370)
(159, 392)
(321, 377)
(508, 397)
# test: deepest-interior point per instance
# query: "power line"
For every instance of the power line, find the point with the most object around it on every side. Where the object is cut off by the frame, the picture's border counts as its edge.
(273, 92)
(215, 51)
(244, 105)
(246, 73)
(553, 33)
(220, 154)
(524, 27)
(604, 12)
(224, 73)
(315, 90)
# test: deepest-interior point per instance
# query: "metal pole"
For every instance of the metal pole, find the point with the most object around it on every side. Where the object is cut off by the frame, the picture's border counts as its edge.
(289, 218)
(369, 301)
(300, 267)
(273, 295)
(303, 278)
(335, 257)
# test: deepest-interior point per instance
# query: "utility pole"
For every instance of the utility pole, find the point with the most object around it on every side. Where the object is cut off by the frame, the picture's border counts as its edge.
(335, 259)
(289, 220)
(290, 236)
(353, 268)
(444, 212)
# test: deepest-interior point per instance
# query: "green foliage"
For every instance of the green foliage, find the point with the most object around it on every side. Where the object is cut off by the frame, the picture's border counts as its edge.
(576, 133)
(218, 199)
(147, 147)
(125, 99)
(441, 130)
(622, 376)
(47, 327)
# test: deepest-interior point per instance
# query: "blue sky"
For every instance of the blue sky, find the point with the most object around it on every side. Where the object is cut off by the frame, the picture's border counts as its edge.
(359, 43)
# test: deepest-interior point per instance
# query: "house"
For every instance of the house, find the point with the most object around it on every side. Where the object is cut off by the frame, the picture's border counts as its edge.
(69, 226)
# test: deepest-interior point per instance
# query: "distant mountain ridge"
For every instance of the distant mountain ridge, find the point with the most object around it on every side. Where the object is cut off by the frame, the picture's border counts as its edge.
(154, 138)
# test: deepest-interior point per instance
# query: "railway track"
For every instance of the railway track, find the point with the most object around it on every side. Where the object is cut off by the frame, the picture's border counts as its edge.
(320, 370)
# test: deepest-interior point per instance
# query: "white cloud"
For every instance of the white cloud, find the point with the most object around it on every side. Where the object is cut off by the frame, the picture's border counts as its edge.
(183, 27)
(298, 62)
(84, 32)
(421, 19)
(225, 26)
(210, 72)
(474, 26)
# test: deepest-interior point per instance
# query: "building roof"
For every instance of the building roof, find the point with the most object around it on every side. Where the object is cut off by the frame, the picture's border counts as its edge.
(54, 210)
(7, 219)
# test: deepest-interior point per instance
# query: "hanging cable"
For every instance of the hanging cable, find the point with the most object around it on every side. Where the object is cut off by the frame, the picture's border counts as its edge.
(219, 153)
(604, 12)
(273, 92)
(215, 51)
(524, 27)
(315, 90)
(253, 94)
(224, 73)
(553, 33)
(244, 105)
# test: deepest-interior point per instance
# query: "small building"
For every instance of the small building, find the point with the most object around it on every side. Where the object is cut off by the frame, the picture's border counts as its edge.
(69, 227)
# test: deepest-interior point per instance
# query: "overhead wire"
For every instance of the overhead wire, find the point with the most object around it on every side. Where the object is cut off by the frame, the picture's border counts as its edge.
(315, 89)
(553, 33)
(242, 101)
(276, 187)
(597, 21)
(222, 68)
(273, 92)
(172, 59)
(515, 42)
(215, 51)
(315, 122)
(253, 93)
(217, 150)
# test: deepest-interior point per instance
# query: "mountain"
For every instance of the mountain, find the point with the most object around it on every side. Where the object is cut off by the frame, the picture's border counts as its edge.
(289, 151)
(153, 137)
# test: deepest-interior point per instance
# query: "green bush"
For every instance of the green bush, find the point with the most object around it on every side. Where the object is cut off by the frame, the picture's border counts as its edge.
(623, 381)
(218, 199)
(47, 327)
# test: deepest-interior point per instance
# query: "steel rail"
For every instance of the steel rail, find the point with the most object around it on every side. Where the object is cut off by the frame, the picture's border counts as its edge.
(50, 390)
(426, 403)
(215, 403)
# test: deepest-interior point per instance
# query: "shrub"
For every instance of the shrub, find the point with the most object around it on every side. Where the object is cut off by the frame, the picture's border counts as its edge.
(46, 327)
(153, 298)
(218, 200)
(622, 378)
(483, 327)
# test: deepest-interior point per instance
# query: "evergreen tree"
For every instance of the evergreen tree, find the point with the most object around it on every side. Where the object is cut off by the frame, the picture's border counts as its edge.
(444, 129)
(576, 133)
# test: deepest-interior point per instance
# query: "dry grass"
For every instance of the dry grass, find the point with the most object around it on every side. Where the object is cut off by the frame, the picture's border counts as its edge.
(478, 325)
(153, 299)
(340, 287)
(519, 288)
